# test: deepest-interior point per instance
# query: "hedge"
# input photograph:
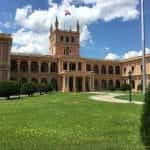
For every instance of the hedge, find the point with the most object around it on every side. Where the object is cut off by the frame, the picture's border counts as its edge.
(9, 88)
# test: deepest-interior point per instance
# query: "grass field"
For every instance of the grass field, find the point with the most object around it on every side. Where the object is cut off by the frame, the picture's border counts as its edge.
(68, 122)
(135, 97)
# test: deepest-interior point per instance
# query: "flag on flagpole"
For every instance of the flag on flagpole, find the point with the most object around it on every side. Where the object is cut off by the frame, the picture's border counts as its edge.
(67, 13)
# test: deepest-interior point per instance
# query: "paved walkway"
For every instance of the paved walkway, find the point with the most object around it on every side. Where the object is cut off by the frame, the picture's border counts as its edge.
(110, 97)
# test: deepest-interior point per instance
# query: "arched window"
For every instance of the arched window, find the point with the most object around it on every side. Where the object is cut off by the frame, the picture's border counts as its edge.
(34, 67)
(96, 85)
(54, 84)
(96, 70)
(117, 69)
(54, 67)
(72, 39)
(65, 65)
(44, 67)
(132, 68)
(103, 69)
(104, 84)
(62, 38)
(13, 65)
(124, 70)
(24, 66)
(79, 66)
(110, 84)
(110, 69)
(44, 81)
(67, 39)
(88, 67)
(117, 84)
(34, 80)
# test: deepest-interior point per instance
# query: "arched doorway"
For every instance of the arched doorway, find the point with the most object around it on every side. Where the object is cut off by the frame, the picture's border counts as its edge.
(54, 84)
(24, 66)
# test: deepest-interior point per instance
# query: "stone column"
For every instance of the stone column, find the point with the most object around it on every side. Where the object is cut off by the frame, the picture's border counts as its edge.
(90, 85)
(83, 84)
(39, 65)
(114, 70)
(29, 66)
(92, 82)
(67, 84)
(64, 84)
(84, 67)
(49, 67)
(18, 66)
(68, 65)
(59, 66)
(74, 84)
(77, 66)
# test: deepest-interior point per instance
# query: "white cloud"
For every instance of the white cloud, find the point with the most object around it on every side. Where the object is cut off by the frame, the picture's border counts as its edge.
(37, 22)
(128, 54)
(134, 53)
(112, 56)
(85, 36)
(30, 42)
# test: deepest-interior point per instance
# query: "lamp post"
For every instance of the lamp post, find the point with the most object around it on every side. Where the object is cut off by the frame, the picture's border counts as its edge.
(130, 86)
(143, 46)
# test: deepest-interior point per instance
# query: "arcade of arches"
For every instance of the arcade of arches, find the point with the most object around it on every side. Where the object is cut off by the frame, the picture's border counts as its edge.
(67, 75)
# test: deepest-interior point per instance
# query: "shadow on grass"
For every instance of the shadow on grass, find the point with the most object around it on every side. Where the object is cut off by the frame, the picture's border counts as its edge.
(145, 121)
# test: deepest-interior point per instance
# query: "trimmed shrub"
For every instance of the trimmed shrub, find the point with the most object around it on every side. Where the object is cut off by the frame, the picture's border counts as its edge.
(50, 87)
(139, 88)
(145, 121)
(125, 87)
(42, 88)
(112, 89)
(9, 88)
(28, 88)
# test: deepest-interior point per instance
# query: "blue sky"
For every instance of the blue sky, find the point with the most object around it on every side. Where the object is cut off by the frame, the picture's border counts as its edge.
(109, 29)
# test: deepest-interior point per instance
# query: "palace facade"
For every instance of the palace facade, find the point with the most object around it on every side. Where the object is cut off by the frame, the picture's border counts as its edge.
(65, 68)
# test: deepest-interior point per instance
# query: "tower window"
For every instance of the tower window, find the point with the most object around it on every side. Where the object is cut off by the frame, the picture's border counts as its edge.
(132, 69)
(67, 39)
(72, 39)
(66, 51)
(61, 38)
(125, 70)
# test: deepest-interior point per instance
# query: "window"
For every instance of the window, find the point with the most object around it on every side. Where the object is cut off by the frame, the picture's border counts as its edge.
(132, 69)
(61, 38)
(65, 65)
(125, 70)
(117, 70)
(72, 39)
(88, 67)
(66, 51)
(110, 69)
(103, 69)
(67, 39)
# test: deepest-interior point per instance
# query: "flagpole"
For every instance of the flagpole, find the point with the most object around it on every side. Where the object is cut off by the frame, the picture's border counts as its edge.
(143, 46)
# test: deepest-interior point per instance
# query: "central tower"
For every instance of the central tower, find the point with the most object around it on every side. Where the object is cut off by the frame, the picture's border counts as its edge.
(64, 43)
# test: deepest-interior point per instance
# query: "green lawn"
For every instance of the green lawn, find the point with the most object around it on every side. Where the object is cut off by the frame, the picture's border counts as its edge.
(68, 122)
(135, 97)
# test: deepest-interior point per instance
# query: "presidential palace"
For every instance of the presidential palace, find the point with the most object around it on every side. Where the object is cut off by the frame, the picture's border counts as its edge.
(65, 68)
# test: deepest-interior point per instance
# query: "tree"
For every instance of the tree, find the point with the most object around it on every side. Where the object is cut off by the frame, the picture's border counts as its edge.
(9, 88)
(125, 87)
(28, 88)
(145, 121)
(42, 88)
